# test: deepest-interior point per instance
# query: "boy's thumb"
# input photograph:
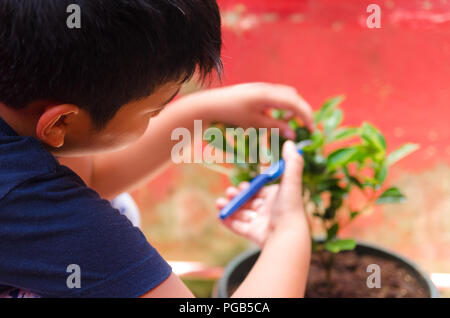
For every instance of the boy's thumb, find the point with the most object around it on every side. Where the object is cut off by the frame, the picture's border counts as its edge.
(291, 181)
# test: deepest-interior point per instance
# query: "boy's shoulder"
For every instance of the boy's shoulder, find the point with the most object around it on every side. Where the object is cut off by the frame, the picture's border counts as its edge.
(50, 220)
(21, 159)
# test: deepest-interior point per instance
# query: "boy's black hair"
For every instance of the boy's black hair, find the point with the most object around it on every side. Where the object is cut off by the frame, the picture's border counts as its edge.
(122, 52)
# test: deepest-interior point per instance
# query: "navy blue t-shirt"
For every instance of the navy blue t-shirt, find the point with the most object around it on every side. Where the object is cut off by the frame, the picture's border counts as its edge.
(49, 219)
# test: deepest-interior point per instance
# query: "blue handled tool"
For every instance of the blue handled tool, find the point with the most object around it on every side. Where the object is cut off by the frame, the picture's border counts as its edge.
(270, 174)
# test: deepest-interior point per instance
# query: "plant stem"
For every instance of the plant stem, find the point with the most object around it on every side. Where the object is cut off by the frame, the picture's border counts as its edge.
(329, 272)
(328, 263)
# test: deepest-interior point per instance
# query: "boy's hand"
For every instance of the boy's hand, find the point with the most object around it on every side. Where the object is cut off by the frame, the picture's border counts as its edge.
(276, 208)
(247, 105)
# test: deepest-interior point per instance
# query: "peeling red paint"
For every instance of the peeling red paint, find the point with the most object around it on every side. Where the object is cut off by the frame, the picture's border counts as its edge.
(419, 18)
(397, 77)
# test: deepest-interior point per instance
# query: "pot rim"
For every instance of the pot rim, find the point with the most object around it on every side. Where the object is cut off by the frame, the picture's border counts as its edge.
(222, 283)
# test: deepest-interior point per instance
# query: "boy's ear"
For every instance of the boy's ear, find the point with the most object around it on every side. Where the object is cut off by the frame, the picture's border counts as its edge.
(52, 124)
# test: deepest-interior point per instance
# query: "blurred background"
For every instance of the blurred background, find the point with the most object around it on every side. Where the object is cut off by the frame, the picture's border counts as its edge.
(397, 77)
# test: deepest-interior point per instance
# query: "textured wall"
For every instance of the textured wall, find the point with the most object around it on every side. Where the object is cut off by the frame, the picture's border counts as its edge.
(397, 77)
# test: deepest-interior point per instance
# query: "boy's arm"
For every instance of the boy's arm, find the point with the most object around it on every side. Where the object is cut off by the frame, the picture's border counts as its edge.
(280, 271)
(244, 105)
(282, 267)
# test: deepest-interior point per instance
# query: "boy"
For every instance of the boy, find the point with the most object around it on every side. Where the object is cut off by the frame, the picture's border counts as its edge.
(90, 93)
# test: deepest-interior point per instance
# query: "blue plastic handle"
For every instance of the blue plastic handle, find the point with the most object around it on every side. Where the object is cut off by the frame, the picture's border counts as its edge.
(245, 195)
(270, 174)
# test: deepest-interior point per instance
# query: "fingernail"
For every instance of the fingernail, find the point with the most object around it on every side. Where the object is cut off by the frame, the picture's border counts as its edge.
(220, 201)
(289, 146)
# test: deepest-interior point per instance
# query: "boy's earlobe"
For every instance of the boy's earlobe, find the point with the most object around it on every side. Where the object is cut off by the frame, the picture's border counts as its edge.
(52, 125)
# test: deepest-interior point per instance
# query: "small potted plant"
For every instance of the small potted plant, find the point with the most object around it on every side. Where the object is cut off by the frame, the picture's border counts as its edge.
(340, 161)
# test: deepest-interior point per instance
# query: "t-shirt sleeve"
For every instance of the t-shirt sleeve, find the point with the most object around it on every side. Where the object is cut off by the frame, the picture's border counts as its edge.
(53, 225)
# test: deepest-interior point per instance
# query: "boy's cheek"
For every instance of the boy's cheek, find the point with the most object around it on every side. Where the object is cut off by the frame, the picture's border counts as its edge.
(110, 139)
(82, 138)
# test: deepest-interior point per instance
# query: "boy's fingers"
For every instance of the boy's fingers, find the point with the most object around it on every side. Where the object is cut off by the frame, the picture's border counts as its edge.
(243, 185)
(256, 203)
(245, 215)
(297, 104)
(287, 98)
(306, 110)
(231, 192)
(237, 226)
(267, 191)
(288, 114)
(285, 129)
(221, 203)
(291, 181)
(302, 110)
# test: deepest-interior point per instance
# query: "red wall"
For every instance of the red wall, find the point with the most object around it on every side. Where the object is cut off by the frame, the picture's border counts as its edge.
(397, 77)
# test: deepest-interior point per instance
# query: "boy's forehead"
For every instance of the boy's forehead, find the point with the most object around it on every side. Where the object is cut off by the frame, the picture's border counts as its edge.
(167, 91)
(168, 87)
(162, 95)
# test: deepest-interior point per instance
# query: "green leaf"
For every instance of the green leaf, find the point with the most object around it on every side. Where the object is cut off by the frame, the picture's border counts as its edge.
(345, 133)
(356, 182)
(401, 152)
(302, 133)
(370, 182)
(317, 164)
(332, 185)
(391, 195)
(373, 137)
(240, 175)
(353, 214)
(364, 152)
(333, 121)
(221, 143)
(330, 213)
(317, 199)
(317, 139)
(332, 231)
(327, 109)
(341, 157)
(381, 173)
(293, 124)
(277, 113)
(336, 246)
(336, 200)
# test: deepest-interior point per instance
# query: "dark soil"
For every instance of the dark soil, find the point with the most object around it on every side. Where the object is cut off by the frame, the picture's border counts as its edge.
(349, 277)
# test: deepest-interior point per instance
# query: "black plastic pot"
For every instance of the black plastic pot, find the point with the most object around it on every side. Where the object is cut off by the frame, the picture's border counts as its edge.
(236, 271)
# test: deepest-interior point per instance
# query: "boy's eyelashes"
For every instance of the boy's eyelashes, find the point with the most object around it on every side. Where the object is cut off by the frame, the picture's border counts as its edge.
(155, 112)
(172, 97)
